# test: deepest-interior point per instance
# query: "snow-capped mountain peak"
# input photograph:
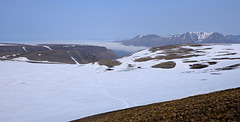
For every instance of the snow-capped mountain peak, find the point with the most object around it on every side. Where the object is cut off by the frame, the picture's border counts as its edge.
(174, 35)
(196, 37)
(147, 35)
(140, 36)
(153, 40)
(201, 35)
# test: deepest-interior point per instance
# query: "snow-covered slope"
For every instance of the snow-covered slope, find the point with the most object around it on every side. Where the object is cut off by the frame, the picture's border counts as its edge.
(201, 35)
(62, 92)
(197, 37)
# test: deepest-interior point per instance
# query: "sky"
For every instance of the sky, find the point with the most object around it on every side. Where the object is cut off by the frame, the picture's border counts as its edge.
(113, 20)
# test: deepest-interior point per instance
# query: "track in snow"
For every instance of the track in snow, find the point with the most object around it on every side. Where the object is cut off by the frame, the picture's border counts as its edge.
(106, 93)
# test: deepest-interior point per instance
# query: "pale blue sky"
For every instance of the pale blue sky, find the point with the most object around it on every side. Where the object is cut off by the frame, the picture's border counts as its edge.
(36, 20)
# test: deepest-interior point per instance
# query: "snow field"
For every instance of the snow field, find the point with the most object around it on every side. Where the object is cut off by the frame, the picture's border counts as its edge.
(63, 92)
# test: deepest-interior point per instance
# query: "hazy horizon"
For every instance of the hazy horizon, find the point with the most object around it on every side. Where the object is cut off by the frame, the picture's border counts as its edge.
(28, 20)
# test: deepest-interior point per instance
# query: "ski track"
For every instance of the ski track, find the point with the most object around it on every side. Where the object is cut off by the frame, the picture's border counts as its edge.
(108, 94)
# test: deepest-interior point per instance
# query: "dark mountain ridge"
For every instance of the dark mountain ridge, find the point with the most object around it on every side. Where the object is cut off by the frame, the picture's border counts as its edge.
(61, 53)
(153, 40)
(234, 37)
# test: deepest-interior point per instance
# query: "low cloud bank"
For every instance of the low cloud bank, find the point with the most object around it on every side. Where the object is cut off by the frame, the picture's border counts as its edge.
(108, 44)
(116, 46)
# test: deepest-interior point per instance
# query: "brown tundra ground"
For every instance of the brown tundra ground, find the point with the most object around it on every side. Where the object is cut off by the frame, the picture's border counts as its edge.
(217, 106)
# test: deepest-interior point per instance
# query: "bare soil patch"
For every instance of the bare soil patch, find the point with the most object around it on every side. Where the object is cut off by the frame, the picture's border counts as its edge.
(109, 63)
(212, 62)
(165, 65)
(170, 53)
(206, 48)
(198, 66)
(229, 67)
(227, 54)
(154, 49)
(169, 56)
(195, 45)
(190, 61)
(143, 59)
(216, 73)
(176, 56)
(225, 58)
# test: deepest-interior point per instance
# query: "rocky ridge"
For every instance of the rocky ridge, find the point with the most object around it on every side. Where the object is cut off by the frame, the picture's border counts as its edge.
(55, 53)
(153, 40)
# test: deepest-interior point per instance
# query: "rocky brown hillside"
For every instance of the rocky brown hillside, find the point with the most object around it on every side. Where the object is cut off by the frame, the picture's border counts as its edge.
(216, 106)
(61, 53)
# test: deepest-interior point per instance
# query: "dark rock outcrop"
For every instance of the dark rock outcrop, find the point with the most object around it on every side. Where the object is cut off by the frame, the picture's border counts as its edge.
(61, 53)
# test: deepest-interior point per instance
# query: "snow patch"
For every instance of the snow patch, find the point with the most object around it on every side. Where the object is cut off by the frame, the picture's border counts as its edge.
(5, 44)
(47, 47)
(74, 45)
(20, 59)
(75, 60)
(24, 49)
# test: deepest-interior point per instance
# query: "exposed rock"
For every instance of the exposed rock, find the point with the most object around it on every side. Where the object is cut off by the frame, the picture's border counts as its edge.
(62, 53)
(189, 61)
(229, 67)
(212, 62)
(198, 66)
(165, 65)
(109, 63)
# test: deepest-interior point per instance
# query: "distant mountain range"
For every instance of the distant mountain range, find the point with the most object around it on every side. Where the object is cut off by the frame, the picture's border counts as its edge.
(55, 53)
(152, 40)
